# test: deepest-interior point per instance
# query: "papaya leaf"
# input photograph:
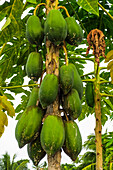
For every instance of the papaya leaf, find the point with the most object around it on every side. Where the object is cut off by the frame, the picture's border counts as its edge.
(9, 96)
(108, 102)
(32, 1)
(109, 56)
(110, 65)
(3, 118)
(1, 128)
(14, 28)
(6, 105)
(90, 6)
(8, 21)
(4, 9)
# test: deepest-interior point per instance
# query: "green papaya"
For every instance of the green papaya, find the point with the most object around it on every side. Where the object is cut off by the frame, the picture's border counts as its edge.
(66, 77)
(48, 90)
(72, 104)
(74, 32)
(52, 134)
(28, 125)
(34, 65)
(89, 94)
(34, 96)
(55, 27)
(78, 85)
(34, 30)
(73, 140)
(35, 151)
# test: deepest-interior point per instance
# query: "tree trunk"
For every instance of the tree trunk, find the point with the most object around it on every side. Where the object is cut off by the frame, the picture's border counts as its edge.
(52, 67)
(98, 129)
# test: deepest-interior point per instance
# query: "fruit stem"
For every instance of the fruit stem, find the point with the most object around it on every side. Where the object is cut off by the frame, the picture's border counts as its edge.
(65, 51)
(67, 13)
(38, 7)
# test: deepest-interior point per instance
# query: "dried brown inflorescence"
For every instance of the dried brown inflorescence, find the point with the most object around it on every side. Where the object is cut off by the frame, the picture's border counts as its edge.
(95, 39)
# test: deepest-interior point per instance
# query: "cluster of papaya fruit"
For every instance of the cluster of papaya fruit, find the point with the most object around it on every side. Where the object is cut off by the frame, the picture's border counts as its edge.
(46, 134)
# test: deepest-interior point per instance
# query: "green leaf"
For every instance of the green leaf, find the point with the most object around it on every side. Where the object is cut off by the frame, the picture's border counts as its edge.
(22, 165)
(9, 96)
(8, 21)
(4, 10)
(32, 1)
(14, 28)
(107, 101)
(89, 5)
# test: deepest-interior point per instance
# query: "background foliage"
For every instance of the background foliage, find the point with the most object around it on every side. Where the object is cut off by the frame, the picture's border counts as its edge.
(15, 48)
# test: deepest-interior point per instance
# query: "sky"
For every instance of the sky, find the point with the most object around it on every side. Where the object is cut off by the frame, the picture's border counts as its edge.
(9, 144)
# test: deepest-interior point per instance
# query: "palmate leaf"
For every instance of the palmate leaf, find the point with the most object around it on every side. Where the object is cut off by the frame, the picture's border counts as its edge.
(109, 58)
(14, 27)
(89, 5)
(7, 106)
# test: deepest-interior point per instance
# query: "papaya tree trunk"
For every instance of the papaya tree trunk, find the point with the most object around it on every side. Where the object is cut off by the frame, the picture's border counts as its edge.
(52, 67)
(98, 128)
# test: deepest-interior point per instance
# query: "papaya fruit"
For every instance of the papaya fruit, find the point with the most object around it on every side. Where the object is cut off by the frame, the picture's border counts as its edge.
(34, 96)
(35, 151)
(48, 90)
(55, 27)
(52, 134)
(73, 140)
(89, 94)
(72, 104)
(66, 77)
(28, 125)
(78, 85)
(34, 65)
(34, 30)
(74, 32)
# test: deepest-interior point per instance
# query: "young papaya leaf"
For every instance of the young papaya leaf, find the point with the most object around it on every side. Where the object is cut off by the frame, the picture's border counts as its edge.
(90, 6)
(1, 128)
(108, 102)
(6, 105)
(3, 118)
(109, 56)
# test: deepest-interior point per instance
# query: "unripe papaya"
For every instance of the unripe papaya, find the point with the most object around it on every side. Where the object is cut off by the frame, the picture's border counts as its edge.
(48, 90)
(52, 134)
(28, 125)
(89, 94)
(73, 140)
(66, 76)
(35, 151)
(74, 32)
(78, 85)
(72, 104)
(34, 96)
(34, 65)
(34, 30)
(55, 27)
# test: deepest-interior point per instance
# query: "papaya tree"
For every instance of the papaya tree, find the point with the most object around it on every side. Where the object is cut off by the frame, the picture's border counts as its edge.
(48, 44)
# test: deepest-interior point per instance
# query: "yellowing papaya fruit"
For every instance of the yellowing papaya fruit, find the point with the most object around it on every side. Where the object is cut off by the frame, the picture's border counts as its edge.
(28, 125)
(52, 134)
(48, 90)
(72, 104)
(35, 151)
(55, 27)
(34, 65)
(73, 140)
(74, 32)
(34, 30)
